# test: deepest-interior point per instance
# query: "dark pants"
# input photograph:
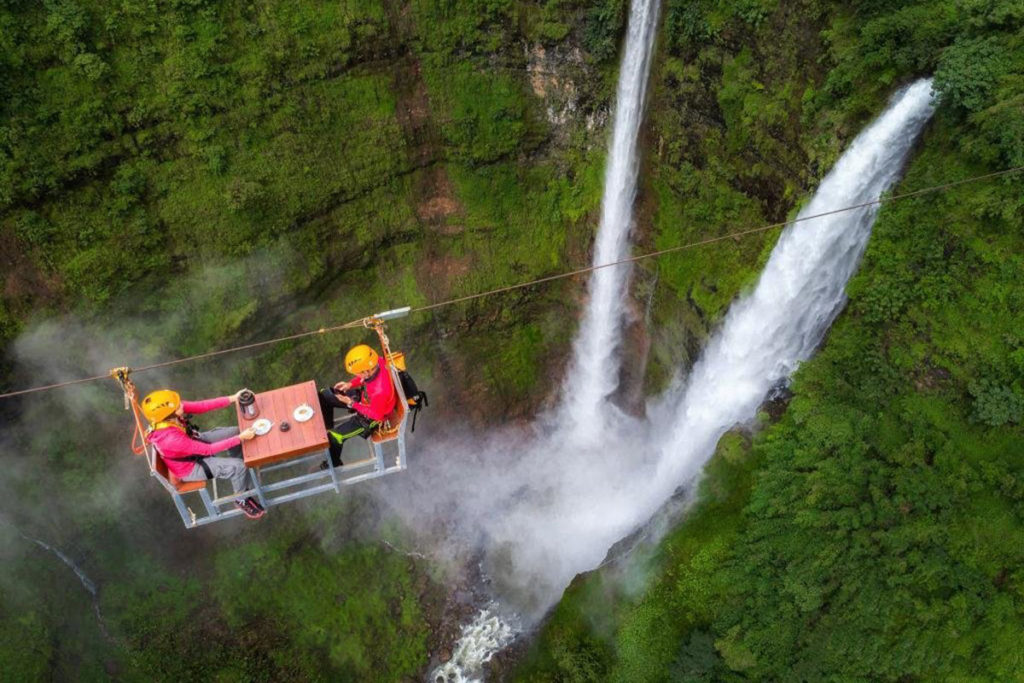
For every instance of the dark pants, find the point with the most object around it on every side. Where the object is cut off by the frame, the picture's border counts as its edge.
(355, 425)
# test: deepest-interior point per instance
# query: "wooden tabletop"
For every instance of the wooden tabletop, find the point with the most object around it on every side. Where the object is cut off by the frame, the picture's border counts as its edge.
(277, 406)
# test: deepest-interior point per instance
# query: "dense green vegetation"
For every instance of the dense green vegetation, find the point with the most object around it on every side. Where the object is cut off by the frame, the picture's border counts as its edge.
(182, 175)
(144, 144)
(280, 604)
(178, 176)
(875, 531)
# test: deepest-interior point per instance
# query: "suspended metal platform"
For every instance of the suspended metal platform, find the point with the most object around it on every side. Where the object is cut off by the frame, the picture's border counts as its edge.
(284, 481)
(293, 477)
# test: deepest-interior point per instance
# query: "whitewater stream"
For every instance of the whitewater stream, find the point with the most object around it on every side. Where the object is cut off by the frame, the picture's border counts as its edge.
(547, 507)
(86, 582)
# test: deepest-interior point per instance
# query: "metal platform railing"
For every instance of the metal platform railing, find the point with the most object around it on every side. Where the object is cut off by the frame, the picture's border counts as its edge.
(289, 480)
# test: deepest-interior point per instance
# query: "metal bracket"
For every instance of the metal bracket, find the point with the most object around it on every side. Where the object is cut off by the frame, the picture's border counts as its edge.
(393, 313)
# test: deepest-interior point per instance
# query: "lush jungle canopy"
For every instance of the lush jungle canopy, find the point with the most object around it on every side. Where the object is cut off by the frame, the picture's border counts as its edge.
(191, 174)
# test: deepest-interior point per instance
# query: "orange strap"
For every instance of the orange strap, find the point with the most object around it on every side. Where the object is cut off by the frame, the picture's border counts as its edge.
(385, 345)
(139, 437)
(120, 375)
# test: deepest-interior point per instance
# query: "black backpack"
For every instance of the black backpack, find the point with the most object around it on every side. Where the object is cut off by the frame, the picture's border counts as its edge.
(416, 399)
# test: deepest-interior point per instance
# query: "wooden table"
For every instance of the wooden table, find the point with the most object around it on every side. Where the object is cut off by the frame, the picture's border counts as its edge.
(277, 406)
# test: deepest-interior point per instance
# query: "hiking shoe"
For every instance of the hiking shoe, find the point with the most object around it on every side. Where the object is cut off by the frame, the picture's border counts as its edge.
(250, 507)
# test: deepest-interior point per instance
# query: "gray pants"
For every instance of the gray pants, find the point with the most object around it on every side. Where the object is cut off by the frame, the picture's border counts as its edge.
(229, 466)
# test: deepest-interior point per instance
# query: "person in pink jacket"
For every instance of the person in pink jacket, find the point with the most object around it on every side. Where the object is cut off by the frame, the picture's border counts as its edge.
(192, 455)
(369, 397)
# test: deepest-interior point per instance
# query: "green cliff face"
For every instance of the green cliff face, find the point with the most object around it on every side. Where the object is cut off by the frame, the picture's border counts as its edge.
(331, 160)
(177, 177)
(190, 175)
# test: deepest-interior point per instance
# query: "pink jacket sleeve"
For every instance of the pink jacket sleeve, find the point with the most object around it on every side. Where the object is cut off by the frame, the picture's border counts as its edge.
(176, 443)
(197, 407)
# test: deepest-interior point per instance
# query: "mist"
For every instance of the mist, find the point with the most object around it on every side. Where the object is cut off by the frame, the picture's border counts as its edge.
(547, 501)
(80, 435)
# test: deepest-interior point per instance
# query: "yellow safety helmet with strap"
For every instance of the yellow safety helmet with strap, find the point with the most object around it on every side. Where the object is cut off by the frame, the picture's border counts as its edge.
(360, 359)
(160, 404)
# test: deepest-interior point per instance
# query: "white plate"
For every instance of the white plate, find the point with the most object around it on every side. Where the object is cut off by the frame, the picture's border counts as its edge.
(262, 426)
(303, 413)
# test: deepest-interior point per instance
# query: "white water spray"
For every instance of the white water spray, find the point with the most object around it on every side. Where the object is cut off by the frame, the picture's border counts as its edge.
(549, 506)
(767, 334)
(592, 371)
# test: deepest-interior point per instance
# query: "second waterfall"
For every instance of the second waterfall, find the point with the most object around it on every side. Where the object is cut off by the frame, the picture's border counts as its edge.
(593, 369)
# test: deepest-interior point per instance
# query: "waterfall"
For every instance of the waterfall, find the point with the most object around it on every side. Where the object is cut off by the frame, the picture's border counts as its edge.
(547, 503)
(767, 334)
(550, 508)
(593, 370)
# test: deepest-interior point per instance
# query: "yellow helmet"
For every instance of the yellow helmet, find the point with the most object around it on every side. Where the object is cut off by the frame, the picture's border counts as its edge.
(360, 359)
(160, 404)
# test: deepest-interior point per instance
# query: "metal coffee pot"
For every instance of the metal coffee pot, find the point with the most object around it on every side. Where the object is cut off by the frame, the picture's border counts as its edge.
(247, 403)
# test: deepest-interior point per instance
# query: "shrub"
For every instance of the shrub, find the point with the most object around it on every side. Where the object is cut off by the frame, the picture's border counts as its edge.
(995, 404)
(602, 28)
(970, 70)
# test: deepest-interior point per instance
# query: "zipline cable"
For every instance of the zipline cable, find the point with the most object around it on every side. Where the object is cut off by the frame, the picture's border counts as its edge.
(177, 361)
(550, 278)
(711, 240)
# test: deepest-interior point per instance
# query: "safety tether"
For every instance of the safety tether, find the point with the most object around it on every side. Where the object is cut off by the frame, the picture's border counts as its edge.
(385, 347)
(121, 376)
